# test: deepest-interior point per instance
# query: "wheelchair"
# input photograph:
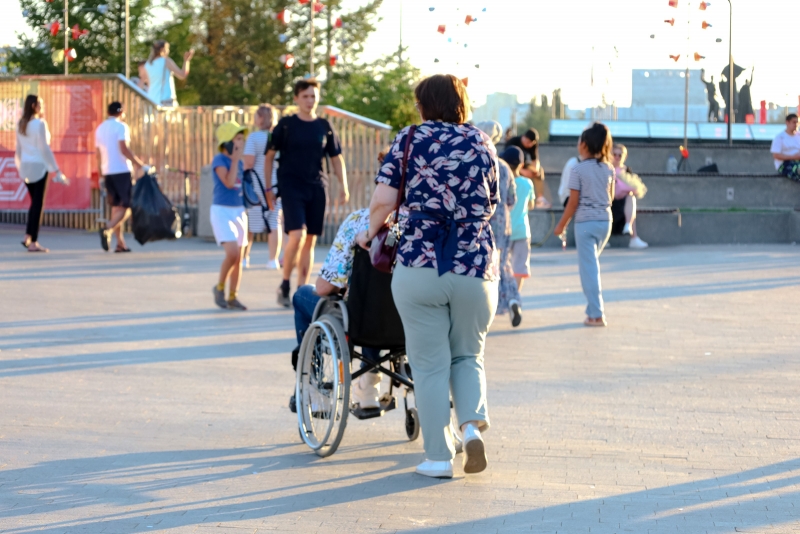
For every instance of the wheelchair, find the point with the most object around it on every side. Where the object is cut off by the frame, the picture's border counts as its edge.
(331, 346)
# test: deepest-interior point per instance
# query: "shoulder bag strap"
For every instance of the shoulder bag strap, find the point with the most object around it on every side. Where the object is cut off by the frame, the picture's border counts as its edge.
(402, 190)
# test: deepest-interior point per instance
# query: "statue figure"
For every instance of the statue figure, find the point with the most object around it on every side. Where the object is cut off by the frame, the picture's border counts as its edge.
(745, 104)
(711, 93)
(724, 88)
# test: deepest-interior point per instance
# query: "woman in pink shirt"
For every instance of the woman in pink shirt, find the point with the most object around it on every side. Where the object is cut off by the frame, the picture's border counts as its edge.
(623, 206)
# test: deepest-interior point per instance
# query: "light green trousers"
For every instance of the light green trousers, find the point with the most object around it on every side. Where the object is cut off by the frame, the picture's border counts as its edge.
(446, 319)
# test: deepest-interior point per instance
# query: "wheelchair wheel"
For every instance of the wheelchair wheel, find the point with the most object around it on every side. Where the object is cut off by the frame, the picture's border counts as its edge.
(412, 424)
(323, 385)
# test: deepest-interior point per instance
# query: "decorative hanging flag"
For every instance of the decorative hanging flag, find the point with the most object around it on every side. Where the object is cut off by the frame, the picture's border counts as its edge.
(287, 60)
(77, 32)
(26, 13)
(698, 57)
(53, 27)
(304, 2)
(57, 56)
(431, 8)
(673, 3)
(102, 9)
(676, 58)
(338, 23)
(468, 20)
(704, 5)
(706, 25)
(318, 7)
(465, 81)
(441, 29)
(71, 54)
(671, 22)
(477, 66)
(436, 60)
(282, 38)
(284, 15)
(333, 60)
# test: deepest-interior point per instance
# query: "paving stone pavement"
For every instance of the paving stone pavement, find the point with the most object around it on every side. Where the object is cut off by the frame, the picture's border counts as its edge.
(129, 403)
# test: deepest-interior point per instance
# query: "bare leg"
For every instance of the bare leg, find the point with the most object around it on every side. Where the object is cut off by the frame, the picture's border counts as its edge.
(119, 215)
(293, 245)
(274, 239)
(231, 264)
(306, 260)
(246, 253)
(630, 213)
(520, 281)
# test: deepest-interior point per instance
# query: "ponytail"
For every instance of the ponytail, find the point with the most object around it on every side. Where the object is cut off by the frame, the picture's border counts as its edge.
(31, 101)
(598, 142)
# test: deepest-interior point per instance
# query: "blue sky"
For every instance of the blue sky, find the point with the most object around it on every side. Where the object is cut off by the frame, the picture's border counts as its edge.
(530, 47)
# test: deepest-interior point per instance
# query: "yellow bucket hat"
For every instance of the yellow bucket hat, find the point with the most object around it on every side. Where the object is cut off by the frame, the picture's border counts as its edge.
(227, 131)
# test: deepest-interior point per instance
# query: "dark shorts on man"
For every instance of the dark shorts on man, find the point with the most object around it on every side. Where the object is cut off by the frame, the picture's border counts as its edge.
(119, 188)
(303, 207)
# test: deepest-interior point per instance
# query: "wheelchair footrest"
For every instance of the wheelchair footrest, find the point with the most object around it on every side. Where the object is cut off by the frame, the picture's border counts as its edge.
(387, 403)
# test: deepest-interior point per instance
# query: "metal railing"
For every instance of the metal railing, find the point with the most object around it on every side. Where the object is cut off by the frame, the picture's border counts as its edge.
(182, 139)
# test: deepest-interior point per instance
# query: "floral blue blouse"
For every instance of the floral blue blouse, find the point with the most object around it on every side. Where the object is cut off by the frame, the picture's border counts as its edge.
(451, 192)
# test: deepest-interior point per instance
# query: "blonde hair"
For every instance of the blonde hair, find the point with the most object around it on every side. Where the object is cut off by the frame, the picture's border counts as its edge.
(624, 150)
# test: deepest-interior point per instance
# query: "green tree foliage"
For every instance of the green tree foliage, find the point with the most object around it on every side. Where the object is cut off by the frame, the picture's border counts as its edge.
(382, 91)
(538, 117)
(102, 50)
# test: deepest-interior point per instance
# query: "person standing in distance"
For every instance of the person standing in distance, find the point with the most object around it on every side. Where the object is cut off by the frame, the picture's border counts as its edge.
(160, 72)
(785, 150)
(228, 216)
(35, 164)
(114, 158)
(532, 168)
(303, 140)
(255, 149)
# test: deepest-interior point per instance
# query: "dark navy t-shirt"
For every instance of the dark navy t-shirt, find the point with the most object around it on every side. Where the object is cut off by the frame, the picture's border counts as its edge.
(302, 145)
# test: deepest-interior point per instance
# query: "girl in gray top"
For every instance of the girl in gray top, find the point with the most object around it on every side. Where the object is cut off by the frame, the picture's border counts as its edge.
(591, 185)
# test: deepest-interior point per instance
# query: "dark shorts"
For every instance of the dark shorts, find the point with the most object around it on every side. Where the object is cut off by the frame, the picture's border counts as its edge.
(303, 207)
(119, 188)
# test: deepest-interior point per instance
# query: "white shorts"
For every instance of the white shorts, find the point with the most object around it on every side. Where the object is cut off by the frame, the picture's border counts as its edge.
(229, 224)
(255, 219)
(521, 257)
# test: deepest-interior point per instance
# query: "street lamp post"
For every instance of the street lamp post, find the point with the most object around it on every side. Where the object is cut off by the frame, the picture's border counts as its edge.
(730, 110)
(311, 38)
(66, 37)
(127, 39)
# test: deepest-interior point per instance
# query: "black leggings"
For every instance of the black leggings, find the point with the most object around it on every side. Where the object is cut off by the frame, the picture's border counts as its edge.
(36, 190)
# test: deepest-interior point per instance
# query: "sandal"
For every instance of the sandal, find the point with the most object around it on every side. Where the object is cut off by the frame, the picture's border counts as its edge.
(38, 248)
(600, 321)
(122, 249)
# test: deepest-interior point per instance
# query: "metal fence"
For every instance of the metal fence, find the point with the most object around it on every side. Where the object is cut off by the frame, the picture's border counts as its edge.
(182, 139)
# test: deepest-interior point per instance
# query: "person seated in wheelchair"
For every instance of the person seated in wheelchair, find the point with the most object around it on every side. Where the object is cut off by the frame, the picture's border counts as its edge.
(333, 280)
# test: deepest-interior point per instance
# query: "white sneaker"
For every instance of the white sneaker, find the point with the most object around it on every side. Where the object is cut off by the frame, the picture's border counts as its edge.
(367, 390)
(273, 265)
(636, 242)
(432, 469)
(627, 230)
(474, 450)
(246, 262)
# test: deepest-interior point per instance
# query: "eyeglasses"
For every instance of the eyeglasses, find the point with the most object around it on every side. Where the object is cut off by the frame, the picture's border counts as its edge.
(617, 154)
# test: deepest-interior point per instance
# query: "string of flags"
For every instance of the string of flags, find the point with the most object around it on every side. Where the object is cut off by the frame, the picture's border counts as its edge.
(284, 16)
(456, 30)
(55, 27)
(703, 6)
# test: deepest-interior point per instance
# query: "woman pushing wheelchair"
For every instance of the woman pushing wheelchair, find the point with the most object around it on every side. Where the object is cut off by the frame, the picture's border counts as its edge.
(445, 280)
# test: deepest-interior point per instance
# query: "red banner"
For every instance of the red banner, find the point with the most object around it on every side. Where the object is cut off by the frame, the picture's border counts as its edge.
(73, 109)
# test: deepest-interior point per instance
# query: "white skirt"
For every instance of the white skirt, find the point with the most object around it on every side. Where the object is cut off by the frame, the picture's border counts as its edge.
(229, 224)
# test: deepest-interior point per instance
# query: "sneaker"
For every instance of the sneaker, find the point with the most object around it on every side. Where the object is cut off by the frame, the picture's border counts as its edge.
(272, 265)
(219, 298)
(432, 469)
(627, 230)
(236, 305)
(367, 391)
(104, 239)
(543, 204)
(246, 262)
(636, 242)
(292, 404)
(474, 450)
(599, 322)
(516, 313)
(284, 300)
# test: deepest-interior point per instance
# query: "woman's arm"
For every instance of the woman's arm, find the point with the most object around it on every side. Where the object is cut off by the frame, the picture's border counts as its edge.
(179, 73)
(42, 137)
(384, 201)
(569, 211)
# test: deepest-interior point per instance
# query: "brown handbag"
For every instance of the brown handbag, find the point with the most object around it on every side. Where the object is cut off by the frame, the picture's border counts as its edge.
(383, 250)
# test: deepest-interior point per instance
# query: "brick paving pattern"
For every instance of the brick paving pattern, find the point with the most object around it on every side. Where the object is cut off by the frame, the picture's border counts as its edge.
(131, 404)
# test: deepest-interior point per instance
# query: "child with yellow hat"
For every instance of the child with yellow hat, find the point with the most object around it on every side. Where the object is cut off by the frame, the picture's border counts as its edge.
(228, 215)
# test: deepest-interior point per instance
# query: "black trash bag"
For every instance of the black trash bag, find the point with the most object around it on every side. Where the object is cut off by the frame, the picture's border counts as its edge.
(154, 217)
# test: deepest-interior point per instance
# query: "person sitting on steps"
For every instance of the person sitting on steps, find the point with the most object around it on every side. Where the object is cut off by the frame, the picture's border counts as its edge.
(627, 188)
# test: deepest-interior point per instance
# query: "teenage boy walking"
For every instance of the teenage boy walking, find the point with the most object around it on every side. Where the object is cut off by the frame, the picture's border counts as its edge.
(114, 158)
(303, 140)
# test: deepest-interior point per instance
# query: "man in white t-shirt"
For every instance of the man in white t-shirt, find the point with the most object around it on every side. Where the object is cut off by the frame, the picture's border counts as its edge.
(114, 159)
(253, 158)
(786, 150)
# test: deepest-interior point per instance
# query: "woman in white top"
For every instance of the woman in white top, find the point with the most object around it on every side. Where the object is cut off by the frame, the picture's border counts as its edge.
(158, 74)
(35, 163)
